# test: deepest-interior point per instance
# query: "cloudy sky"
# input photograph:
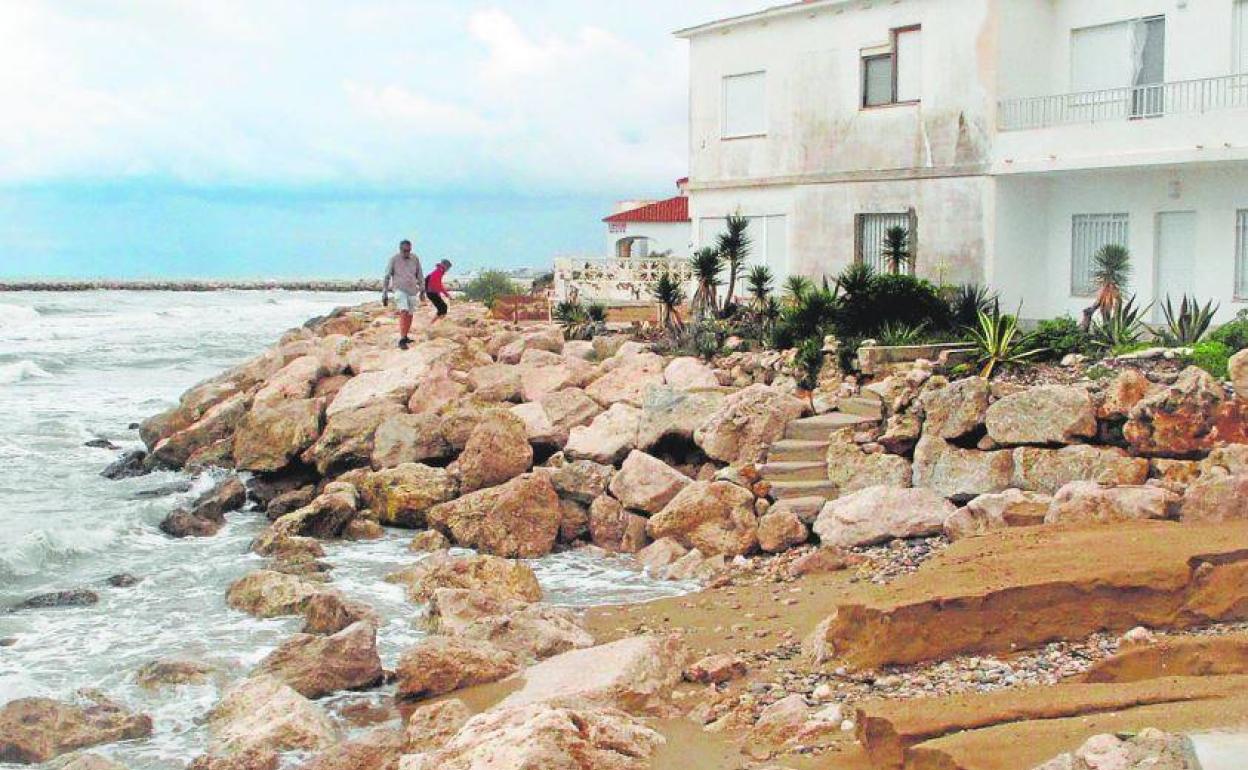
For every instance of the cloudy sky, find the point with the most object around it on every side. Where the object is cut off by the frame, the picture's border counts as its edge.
(304, 137)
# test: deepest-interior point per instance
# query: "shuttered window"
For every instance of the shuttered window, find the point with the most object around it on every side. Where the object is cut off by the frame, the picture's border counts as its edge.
(745, 105)
(1089, 233)
(871, 230)
(1241, 254)
(893, 74)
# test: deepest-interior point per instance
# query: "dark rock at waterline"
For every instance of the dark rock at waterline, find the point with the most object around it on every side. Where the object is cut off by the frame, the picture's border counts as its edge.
(129, 465)
(8, 641)
(206, 515)
(132, 426)
(182, 523)
(123, 580)
(164, 490)
(264, 488)
(290, 501)
(101, 443)
(74, 597)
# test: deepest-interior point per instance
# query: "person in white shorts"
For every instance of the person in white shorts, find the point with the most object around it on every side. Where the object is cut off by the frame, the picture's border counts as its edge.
(404, 275)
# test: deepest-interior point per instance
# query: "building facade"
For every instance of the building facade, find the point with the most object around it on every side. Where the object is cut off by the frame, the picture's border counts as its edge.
(1011, 138)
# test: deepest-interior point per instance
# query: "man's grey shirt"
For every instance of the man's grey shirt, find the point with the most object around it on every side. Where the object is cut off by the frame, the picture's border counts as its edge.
(404, 273)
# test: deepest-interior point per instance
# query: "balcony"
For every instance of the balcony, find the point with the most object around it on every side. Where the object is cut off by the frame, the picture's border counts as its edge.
(1180, 97)
(620, 279)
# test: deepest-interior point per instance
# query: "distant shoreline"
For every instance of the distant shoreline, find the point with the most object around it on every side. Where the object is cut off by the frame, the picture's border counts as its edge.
(193, 285)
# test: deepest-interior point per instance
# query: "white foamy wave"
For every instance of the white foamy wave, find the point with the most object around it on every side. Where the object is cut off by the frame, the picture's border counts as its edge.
(21, 370)
(37, 549)
(16, 315)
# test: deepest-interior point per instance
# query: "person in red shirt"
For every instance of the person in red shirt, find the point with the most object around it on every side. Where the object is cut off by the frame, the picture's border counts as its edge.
(434, 289)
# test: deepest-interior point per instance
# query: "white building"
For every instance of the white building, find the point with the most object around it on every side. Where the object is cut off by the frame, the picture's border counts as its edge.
(642, 228)
(1013, 138)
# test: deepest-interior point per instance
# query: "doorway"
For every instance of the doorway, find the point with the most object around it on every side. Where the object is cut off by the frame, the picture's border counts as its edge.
(1175, 259)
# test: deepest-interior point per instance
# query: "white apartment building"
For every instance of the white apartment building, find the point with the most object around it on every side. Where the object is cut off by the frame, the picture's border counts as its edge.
(1012, 138)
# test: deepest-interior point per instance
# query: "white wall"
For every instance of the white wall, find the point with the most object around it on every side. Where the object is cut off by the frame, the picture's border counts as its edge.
(664, 236)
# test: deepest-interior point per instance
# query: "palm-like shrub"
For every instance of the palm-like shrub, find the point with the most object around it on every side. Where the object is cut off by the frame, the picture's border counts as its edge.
(795, 286)
(734, 245)
(1111, 269)
(968, 301)
(573, 319)
(597, 312)
(998, 342)
(1121, 327)
(1188, 325)
(707, 264)
(856, 279)
(812, 315)
(670, 295)
(896, 249)
(759, 281)
(809, 362)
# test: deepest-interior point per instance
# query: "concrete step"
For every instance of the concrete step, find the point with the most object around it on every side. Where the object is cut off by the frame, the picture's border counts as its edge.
(794, 471)
(797, 451)
(781, 490)
(862, 406)
(820, 427)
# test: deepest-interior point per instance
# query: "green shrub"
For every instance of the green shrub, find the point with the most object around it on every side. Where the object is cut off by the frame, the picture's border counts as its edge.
(1212, 356)
(1059, 337)
(489, 286)
(968, 301)
(1234, 333)
(868, 305)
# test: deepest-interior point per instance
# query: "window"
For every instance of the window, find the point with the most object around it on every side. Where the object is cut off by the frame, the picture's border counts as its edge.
(1239, 26)
(1090, 232)
(745, 105)
(1116, 57)
(895, 75)
(1241, 254)
(871, 229)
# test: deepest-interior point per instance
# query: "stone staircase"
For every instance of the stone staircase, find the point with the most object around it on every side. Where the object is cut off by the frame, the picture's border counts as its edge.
(796, 465)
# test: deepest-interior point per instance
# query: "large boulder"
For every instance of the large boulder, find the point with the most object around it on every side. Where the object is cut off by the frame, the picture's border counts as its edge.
(635, 674)
(495, 382)
(327, 516)
(669, 414)
(34, 730)
(716, 517)
(378, 749)
(519, 518)
(581, 480)
(391, 376)
(530, 631)
(876, 514)
(1048, 470)
(626, 379)
(431, 726)
(540, 378)
(271, 435)
(957, 410)
(497, 451)
(156, 674)
(462, 418)
(319, 665)
(540, 736)
(851, 469)
(1149, 749)
(957, 472)
(1086, 502)
(216, 424)
(491, 575)
(1120, 396)
(687, 372)
(780, 530)
(330, 612)
(269, 594)
(614, 529)
(1216, 496)
(409, 438)
(646, 483)
(1179, 420)
(607, 439)
(264, 713)
(1011, 508)
(403, 496)
(1045, 414)
(442, 664)
(347, 440)
(746, 424)
(548, 421)
(435, 391)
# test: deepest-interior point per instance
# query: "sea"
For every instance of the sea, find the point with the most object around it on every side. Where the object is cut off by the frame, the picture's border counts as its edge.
(80, 366)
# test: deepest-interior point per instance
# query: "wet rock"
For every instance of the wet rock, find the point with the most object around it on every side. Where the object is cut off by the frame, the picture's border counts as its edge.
(661, 553)
(182, 523)
(851, 469)
(409, 438)
(442, 664)
(128, 465)
(1011, 508)
(1048, 470)
(267, 594)
(262, 713)
(329, 612)
(716, 669)
(626, 379)
(378, 749)
(253, 759)
(1216, 496)
(87, 761)
(316, 665)
(573, 520)
(647, 483)
(614, 529)
(582, 480)
(431, 727)
(288, 502)
(123, 580)
(746, 423)
(217, 423)
(403, 496)
(325, 517)
(429, 540)
(74, 597)
(100, 443)
(541, 736)
(34, 730)
(497, 451)
(957, 410)
(1087, 502)
(607, 439)
(956, 472)
(780, 530)
(164, 490)
(496, 576)
(876, 514)
(669, 414)
(519, 518)
(363, 529)
(1045, 414)
(171, 671)
(271, 435)
(715, 517)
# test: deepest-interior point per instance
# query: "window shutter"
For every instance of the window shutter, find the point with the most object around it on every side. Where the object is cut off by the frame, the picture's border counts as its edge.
(877, 81)
(909, 55)
(745, 104)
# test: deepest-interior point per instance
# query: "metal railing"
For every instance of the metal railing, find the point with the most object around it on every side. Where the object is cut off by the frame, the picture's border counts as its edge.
(1130, 103)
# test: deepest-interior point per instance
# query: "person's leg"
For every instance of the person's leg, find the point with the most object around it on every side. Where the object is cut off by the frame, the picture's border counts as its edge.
(404, 302)
(405, 323)
(440, 304)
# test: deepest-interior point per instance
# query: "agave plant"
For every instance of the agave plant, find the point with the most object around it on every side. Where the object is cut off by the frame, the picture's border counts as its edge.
(670, 295)
(895, 249)
(573, 319)
(1189, 324)
(968, 301)
(734, 245)
(892, 334)
(1111, 269)
(1121, 327)
(706, 264)
(759, 282)
(795, 286)
(998, 342)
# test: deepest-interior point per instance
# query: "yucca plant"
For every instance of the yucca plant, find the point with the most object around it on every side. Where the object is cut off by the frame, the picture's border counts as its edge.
(968, 301)
(597, 312)
(893, 334)
(856, 279)
(1186, 327)
(795, 286)
(895, 249)
(998, 342)
(1121, 327)
(670, 295)
(573, 319)
(759, 282)
(734, 245)
(706, 264)
(1111, 269)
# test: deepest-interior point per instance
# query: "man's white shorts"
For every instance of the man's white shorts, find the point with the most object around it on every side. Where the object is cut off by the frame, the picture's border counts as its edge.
(405, 301)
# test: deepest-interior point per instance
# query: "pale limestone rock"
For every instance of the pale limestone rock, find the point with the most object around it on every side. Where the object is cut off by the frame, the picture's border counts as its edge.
(877, 514)
(646, 483)
(1048, 470)
(517, 519)
(608, 438)
(1087, 502)
(263, 713)
(442, 664)
(957, 472)
(746, 423)
(497, 451)
(956, 410)
(852, 469)
(315, 666)
(687, 373)
(1045, 414)
(715, 517)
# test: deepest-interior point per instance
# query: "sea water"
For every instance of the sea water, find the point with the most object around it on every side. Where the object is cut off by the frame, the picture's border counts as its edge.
(78, 366)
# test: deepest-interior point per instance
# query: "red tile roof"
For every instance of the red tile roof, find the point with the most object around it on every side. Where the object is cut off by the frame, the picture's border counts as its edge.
(671, 210)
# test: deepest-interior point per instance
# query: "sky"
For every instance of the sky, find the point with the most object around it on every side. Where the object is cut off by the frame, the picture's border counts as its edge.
(304, 138)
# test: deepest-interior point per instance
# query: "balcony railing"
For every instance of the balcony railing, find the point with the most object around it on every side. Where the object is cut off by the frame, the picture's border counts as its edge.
(615, 279)
(1136, 102)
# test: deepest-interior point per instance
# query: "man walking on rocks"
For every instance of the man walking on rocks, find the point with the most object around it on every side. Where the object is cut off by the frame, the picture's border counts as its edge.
(408, 280)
